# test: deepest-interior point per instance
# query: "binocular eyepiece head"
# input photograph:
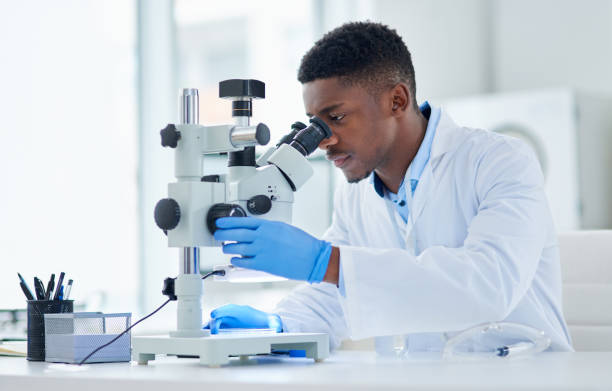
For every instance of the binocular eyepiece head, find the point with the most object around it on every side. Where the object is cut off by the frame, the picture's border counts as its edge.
(307, 139)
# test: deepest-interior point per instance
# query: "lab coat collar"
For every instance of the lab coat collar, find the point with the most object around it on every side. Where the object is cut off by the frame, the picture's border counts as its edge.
(427, 186)
(445, 139)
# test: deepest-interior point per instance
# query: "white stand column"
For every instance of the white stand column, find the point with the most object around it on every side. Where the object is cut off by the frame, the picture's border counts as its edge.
(188, 289)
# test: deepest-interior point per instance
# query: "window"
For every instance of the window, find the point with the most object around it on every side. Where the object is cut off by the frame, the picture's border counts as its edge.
(69, 151)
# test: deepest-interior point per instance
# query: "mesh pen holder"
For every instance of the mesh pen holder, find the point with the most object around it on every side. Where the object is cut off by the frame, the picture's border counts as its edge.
(36, 324)
(71, 337)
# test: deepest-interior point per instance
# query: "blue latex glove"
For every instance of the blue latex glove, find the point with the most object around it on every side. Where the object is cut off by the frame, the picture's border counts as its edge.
(274, 247)
(242, 316)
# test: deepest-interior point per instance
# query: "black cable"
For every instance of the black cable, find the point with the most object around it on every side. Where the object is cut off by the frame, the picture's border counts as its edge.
(126, 330)
(215, 272)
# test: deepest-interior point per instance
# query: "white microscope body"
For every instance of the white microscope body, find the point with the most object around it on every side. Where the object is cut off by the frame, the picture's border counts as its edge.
(263, 188)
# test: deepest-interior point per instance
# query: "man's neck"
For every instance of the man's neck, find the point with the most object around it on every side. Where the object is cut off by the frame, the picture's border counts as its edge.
(402, 152)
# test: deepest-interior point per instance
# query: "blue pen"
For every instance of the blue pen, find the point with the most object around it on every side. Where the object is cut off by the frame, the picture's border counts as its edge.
(61, 293)
(59, 284)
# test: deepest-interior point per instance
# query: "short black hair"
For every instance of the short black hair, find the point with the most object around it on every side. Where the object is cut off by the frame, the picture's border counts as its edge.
(366, 53)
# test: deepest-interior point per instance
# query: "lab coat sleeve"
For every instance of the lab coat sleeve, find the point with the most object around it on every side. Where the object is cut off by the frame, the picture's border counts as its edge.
(391, 291)
(315, 308)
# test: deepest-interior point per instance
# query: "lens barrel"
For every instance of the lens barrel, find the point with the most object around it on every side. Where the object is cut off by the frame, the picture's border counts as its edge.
(295, 128)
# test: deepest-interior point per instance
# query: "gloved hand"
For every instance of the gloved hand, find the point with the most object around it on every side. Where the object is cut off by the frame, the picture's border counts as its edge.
(274, 247)
(242, 316)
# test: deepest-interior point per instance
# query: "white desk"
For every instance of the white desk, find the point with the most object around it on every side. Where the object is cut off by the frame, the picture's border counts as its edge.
(342, 371)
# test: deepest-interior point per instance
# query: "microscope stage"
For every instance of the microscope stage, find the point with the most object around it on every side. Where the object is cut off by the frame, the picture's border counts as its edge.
(215, 350)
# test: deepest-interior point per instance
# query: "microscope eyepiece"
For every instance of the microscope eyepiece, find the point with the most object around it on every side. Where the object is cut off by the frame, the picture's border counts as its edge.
(295, 128)
(309, 138)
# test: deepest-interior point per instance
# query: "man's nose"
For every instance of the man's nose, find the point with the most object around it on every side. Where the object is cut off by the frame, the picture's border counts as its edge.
(328, 141)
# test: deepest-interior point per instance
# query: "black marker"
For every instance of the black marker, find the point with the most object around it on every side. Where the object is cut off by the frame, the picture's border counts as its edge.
(39, 288)
(24, 287)
(50, 286)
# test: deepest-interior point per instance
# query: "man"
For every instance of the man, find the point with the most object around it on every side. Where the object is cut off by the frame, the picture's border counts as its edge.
(438, 229)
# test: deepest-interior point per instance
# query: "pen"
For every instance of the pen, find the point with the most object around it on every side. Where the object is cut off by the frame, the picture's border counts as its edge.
(61, 293)
(58, 286)
(39, 289)
(24, 287)
(68, 288)
(50, 286)
(515, 349)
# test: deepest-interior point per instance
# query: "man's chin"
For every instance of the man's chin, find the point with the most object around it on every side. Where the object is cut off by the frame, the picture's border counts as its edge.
(352, 178)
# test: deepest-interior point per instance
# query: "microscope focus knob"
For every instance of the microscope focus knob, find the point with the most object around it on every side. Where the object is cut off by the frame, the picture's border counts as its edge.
(259, 204)
(262, 134)
(170, 136)
(167, 214)
(222, 210)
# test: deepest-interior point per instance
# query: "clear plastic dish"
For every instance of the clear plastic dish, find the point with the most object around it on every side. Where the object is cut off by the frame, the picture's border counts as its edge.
(496, 340)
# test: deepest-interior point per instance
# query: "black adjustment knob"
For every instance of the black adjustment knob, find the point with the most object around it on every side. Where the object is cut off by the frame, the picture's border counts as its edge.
(170, 136)
(236, 88)
(167, 214)
(169, 288)
(259, 204)
(210, 178)
(222, 210)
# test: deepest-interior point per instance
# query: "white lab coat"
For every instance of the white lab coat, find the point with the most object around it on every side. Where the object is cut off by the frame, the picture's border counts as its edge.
(479, 246)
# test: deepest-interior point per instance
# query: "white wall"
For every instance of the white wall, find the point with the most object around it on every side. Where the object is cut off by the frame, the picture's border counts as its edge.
(551, 43)
(448, 40)
(478, 46)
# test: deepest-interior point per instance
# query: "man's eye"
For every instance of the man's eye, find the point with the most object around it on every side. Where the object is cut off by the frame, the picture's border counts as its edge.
(337, 117)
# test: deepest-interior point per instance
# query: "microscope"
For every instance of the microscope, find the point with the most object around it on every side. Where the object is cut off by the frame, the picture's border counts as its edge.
(262, 188)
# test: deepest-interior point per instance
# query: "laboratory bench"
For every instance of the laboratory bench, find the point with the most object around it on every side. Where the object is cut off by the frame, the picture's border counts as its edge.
(343, 370)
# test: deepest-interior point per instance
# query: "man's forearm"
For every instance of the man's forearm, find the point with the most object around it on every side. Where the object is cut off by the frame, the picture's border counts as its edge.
(333, 267)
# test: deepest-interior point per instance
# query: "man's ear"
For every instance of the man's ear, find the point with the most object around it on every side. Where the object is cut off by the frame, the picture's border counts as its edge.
(400, 99)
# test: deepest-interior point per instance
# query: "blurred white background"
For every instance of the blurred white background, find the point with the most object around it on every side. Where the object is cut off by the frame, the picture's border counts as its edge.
(86, 85)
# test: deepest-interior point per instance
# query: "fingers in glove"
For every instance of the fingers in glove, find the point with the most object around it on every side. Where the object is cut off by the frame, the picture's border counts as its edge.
(217, 311)
(235, 235)
(244, 249)
(227, 310)
(239, 222)
(246, 262)
(216, 325)
(225, 322)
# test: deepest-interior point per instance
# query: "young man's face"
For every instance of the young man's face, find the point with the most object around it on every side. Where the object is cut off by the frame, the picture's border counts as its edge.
(362, 127)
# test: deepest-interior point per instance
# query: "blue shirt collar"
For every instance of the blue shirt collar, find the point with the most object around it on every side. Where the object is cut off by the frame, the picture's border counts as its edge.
(422, 157)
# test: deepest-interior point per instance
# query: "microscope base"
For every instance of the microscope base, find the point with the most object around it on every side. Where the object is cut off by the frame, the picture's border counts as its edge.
(215, 350)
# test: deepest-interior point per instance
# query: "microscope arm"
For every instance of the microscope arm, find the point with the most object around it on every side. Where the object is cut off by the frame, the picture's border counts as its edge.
(193, 141)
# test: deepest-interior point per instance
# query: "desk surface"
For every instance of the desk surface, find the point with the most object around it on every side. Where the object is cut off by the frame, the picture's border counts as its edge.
(342, 371)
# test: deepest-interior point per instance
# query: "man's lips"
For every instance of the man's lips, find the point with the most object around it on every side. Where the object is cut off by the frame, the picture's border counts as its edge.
(339, 160)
